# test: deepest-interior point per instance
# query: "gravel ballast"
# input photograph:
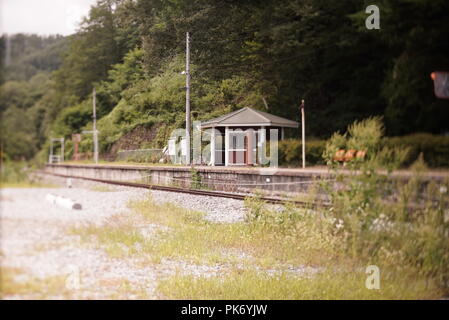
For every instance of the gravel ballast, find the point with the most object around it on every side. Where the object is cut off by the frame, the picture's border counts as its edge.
(36, 238)
(220, 210)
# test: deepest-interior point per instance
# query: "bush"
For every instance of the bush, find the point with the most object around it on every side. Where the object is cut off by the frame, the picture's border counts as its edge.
(13, 172)
(435, 149)
(400, 225)
(195, 179)
(366, 134)
(290, 152)
(385, 220)
(335, 143)
(372, 219)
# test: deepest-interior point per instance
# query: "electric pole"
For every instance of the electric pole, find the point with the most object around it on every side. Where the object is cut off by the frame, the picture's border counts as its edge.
(187, 138)
(95, 135)
(303, 127)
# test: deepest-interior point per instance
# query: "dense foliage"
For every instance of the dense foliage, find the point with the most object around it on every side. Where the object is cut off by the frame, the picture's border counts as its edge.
(243, 52)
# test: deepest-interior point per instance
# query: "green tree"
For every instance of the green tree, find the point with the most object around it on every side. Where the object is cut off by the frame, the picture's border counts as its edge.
(417, 33)
(17, 136)
(93, 51)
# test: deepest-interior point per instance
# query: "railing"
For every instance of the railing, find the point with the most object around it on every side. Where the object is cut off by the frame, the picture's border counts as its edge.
(54, 159)
(140, 155)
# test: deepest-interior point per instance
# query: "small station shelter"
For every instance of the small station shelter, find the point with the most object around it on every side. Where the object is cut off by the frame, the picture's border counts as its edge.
(244, 132)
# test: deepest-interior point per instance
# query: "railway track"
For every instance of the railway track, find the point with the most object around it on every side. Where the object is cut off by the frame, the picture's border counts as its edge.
(219, 194)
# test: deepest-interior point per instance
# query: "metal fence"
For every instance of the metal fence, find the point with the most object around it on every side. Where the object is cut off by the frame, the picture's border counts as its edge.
(141, 155)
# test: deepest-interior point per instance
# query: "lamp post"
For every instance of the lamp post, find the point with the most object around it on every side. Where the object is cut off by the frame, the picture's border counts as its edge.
(303, 129)
(94, 131)
(187, 99)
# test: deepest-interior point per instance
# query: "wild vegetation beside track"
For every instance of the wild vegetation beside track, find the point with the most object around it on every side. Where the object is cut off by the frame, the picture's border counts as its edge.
(286, 252)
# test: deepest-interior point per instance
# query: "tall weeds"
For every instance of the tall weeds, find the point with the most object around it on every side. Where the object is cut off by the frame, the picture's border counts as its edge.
(13, 172)
(398, 221)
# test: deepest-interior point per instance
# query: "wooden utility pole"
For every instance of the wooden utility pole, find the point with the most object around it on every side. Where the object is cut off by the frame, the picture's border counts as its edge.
(94, 132)
(62, 149)
(76, 138)
(187, 99)
(50, 158)
(1, 157)
(303, 127)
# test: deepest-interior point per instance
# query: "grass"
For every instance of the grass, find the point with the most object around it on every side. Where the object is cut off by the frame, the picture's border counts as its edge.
(15, 284)
(252, 285)
(247, 254)
(26, 184)
(117, 241)
(31, 287)
(102, 188)
(193, 239)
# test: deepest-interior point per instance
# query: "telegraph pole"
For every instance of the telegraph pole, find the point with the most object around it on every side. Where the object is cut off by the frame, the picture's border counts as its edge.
(95, 133)
(303, 125)
(187, 99)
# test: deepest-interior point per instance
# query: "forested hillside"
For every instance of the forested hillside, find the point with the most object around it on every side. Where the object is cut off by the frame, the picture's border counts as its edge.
(27, 66)
(242, 53)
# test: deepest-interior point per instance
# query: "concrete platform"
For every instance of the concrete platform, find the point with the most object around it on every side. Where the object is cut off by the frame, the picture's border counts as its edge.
(233, 179)
(273, 181)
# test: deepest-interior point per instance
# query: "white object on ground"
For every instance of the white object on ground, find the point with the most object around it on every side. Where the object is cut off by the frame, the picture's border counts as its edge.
(63, 202)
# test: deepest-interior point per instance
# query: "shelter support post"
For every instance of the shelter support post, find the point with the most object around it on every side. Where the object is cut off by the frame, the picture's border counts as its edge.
(212, 147)
(249, 147)
(227, 146)
(261, 143)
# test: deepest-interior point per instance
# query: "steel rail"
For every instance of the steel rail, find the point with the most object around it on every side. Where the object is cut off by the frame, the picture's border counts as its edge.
(218, 194)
